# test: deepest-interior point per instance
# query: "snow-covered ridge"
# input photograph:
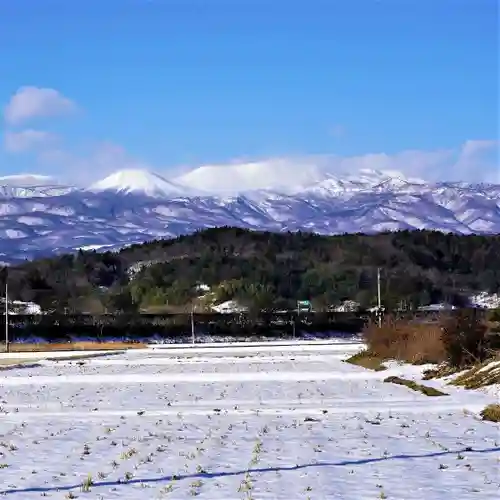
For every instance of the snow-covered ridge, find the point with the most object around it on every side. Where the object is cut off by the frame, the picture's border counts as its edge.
(134, 205)
(31, 185)
(136, 181)
(26, 180)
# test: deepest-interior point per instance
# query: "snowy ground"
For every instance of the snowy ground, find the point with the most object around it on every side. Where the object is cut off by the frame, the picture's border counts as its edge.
(262, 422)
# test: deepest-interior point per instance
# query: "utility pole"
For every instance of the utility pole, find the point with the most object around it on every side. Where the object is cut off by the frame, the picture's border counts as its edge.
(192, 325)
(297, 319)
(379, 300)
(6, 315)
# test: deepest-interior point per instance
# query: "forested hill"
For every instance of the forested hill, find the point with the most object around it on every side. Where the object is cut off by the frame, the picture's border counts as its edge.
(264, 269)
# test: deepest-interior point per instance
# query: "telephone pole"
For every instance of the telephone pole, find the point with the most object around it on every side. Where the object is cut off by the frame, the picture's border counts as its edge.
(379, 300)
(193, 339)
(6, 316)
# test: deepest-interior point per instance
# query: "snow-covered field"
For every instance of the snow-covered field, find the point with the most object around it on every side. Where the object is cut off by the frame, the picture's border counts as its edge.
(223, 423)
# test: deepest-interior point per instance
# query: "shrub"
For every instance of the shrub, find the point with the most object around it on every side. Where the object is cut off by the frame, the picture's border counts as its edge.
(465, 338)
(405, 340)
(494, 315)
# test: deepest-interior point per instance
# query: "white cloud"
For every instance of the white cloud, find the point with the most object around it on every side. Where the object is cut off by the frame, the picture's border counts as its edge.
(337, 131)
(275, 173)
(412, 163)
(478, 161)
(104, 159)
(26, 140)
(35, 102)
(474, 161)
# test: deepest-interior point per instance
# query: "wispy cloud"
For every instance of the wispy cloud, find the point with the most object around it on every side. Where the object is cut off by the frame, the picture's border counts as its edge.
(473, 161)
(337, 131)
(27, 140)
(102, 159)
(479, 161)
(415, 163)
(35, 102)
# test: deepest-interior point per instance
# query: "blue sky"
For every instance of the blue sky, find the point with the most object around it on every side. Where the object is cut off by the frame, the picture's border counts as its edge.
(187, 82)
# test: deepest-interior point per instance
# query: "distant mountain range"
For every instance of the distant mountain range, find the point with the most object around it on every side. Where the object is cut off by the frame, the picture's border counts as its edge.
(40, 216)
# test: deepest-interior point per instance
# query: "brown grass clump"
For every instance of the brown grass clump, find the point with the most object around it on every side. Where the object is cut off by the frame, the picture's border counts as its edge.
(491, 413)
(75, 346)
(367, 360)
(405, 340)
(7, 362)
(443, 370)
(481, 375)
(428, 391)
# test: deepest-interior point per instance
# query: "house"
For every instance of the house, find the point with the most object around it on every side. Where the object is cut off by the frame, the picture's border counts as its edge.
(437, 307)
(347, 306)
(20, 307)
(484, 300)
(229, 307)
(375, 309)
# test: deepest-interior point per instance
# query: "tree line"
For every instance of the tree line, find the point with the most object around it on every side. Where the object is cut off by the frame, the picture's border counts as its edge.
(262, 270)
(64, 327)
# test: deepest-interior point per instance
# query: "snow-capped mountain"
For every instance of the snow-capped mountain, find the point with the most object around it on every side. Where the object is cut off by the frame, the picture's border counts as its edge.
(134, 206)
(139, 182)
(31, 185)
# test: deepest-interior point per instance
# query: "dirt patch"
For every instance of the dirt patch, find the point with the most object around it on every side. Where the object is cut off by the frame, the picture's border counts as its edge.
(367, 360)
(75, 346)
(4, 363)
(428, 391)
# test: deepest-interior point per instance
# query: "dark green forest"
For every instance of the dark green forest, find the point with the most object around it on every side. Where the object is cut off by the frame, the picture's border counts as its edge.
(263, 271)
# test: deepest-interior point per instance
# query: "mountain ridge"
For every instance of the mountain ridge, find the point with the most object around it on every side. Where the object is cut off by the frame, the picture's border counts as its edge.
(52, 218)
(262, 269)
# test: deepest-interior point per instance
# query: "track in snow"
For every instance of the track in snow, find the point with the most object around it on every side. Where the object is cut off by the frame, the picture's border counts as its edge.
(287, 422)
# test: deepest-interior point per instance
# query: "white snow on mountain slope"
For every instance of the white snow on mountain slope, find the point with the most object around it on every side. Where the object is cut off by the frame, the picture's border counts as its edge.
(278, 174)
(136, 181)
(31, 185)
(27, 180)
(135, 206)
(370, 177)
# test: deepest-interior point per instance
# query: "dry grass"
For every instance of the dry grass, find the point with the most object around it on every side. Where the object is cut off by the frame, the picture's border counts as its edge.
(428, 391)
(6, 362)
(367, 360)
(441, 371)
(481, 375)
(75, 346)
(491, 413)
(409, 341)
